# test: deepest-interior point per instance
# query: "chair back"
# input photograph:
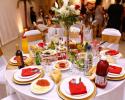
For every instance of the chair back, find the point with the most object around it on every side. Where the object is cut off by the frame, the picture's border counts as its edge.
(112, 37)
(33, 35)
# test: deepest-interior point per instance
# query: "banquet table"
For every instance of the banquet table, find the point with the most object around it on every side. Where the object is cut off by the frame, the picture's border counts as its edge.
(113, 91)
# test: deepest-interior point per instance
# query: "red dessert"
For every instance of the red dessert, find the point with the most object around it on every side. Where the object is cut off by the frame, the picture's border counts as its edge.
(76, 89)
(62, 65)
(28, 71)
(114, 69)
(112, 52)
(41, 44)
(43, 82)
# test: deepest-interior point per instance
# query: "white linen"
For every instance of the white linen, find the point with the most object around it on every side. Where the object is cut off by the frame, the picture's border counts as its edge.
(74, 29)
(112, 88)
(54, 33)
(11, 97)
(32, 32)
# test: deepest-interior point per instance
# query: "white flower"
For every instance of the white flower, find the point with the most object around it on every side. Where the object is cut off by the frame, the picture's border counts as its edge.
(62, 9)
(72, 7)
(77, 12)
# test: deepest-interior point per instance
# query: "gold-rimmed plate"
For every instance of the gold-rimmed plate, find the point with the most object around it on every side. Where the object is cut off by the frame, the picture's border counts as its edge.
(64, 87)
(61, 95)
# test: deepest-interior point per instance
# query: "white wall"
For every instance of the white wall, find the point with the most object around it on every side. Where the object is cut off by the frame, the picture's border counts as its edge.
(11, 20)
(8, 21)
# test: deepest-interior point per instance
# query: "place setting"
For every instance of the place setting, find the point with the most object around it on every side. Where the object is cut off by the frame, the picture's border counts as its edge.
(28, 74)
(115, 72)
(114, 53)
(13, 60)
(76, 88)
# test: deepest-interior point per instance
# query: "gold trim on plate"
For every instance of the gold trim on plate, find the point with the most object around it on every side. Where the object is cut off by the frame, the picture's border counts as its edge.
(116, 78)
(28, 82)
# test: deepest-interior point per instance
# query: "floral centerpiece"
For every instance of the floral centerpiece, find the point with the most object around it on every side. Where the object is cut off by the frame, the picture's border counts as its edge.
(67, 16)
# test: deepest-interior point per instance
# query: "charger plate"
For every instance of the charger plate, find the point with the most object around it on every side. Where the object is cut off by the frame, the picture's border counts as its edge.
(30, 81)
(26, 82)
(116, 78)
(61, 95)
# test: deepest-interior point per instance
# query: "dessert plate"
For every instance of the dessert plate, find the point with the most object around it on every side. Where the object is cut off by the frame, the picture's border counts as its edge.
(47, 85)
(118, 55)
(64, 87)
(62, 65)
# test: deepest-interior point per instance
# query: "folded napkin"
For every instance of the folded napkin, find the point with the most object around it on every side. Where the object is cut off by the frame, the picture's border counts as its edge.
(29, 71)
(112, 52)
(76, 89)
(41, 44)
(114, 69)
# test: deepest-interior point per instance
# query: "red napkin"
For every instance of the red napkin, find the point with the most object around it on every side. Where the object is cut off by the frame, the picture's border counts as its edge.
(114, 69)
(28, 72)
(42, 44)
(112, 52)
(76, 89)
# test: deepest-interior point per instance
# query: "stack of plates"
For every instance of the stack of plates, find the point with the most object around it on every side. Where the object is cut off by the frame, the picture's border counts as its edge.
(121, 76)
(13, 61)
(64, 92)
(19, 79)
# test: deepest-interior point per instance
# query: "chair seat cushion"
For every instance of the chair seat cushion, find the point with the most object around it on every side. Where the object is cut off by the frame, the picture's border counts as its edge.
(32, 32)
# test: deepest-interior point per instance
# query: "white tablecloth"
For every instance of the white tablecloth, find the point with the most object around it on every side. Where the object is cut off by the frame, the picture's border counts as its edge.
(113, 90)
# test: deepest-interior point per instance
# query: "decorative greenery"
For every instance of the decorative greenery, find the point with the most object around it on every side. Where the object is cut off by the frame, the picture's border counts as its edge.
(67, 15)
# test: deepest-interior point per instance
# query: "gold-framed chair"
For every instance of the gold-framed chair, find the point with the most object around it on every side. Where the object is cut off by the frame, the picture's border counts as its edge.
(112, 38)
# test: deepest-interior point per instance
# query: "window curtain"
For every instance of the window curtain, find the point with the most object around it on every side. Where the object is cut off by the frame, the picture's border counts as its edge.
(8, 21)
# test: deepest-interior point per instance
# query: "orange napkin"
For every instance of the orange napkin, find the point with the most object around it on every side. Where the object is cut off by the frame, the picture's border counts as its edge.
(28, 72)
(114, 69)
(76, 89)
(112, 52)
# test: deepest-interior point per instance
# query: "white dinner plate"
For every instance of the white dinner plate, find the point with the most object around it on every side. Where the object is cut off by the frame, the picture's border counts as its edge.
(40, 90)
(119, 55)
(17, 75)
(62, 69)
(52, 52)
(116, 75)
(12, 60)
(64, 87)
